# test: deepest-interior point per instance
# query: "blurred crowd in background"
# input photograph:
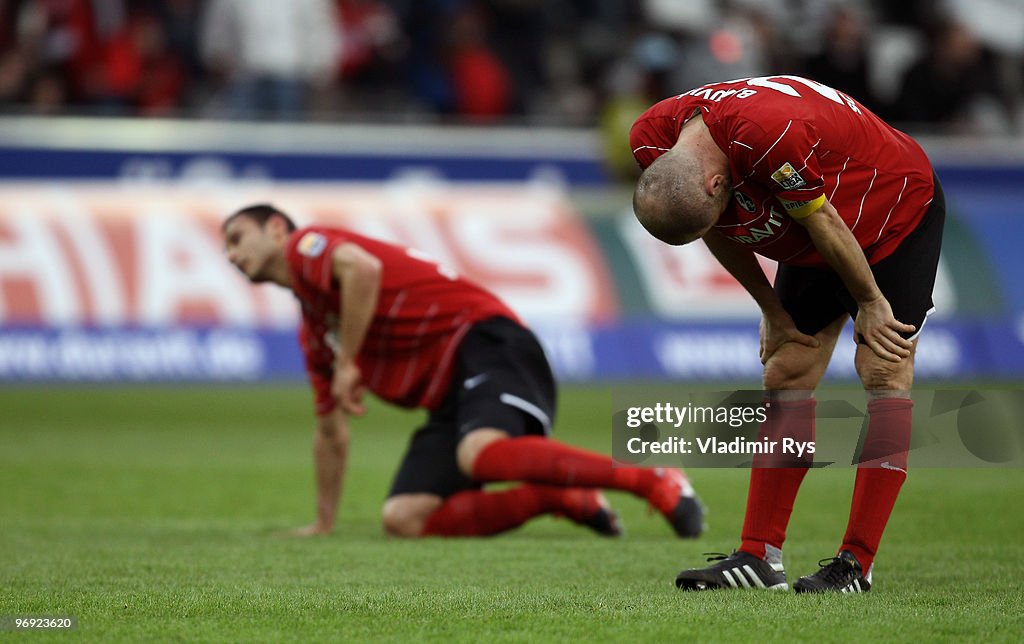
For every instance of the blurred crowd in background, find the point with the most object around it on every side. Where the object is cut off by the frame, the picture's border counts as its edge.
(944, 66)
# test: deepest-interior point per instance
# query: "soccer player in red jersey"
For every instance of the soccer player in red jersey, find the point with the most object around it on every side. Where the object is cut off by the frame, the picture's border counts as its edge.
(850, 208)
(385, 319)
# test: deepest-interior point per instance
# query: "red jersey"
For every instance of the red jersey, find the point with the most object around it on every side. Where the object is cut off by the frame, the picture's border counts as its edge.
(792, 142)
(423, 312)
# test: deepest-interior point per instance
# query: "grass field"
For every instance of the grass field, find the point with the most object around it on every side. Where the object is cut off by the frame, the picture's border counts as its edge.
(151, 513)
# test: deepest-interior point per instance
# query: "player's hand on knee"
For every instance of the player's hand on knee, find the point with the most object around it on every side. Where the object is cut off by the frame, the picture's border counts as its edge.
(348, 388)
(777, 330)
(876, 327)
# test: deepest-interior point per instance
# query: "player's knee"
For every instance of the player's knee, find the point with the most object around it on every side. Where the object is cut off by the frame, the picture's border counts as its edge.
(879, 374)
(780, 375)
(403, 518)
(472, 444)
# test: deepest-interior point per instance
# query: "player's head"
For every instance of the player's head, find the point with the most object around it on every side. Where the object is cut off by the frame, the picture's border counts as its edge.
(254, 237)
(678, 198)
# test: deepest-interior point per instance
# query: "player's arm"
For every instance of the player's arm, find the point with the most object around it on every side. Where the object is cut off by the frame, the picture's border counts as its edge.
(743, 265)
(330, 457)
(875, 322)
(777, 326)
(359, 275)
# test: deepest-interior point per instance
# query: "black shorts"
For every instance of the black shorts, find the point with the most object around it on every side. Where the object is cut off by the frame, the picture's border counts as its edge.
(815, 298)
(501, 380)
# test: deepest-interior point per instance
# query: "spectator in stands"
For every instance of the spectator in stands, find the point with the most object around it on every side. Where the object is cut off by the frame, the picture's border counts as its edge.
(271, 54)
(481, 83)
(15, 66)
(424, 78)
(945, 86)
(369, 62)
(179, 20)
(551, 61)
(63, 41)
(137, 71)
(47, 91)
(842, 61)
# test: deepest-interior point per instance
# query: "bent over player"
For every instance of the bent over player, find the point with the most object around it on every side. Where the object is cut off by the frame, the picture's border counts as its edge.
(850, 208)
(381, 318)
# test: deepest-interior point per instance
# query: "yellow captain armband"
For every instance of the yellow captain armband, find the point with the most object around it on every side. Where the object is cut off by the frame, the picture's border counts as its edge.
(800, 209)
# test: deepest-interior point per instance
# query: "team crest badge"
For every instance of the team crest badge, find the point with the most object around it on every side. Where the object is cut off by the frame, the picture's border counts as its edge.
(788, 177)
(745, 202)
(312, 244)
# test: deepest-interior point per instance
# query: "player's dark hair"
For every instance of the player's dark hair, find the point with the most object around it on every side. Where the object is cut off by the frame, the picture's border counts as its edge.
(261, 213)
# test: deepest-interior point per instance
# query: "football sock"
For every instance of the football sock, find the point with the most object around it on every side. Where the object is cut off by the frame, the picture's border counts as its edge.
(475, 513)
(541, 460)
(881, 471)
(773, 490)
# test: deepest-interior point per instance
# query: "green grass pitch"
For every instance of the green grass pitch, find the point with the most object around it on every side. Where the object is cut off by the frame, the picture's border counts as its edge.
(151, 513)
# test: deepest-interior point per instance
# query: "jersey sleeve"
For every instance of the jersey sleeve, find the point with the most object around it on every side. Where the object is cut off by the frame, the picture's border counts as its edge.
(784, 158)
(310, 256)
(648, 140)
(312, 249)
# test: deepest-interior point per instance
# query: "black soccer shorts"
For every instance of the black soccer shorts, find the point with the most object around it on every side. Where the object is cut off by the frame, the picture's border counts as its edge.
(815, 298)
(501, 380)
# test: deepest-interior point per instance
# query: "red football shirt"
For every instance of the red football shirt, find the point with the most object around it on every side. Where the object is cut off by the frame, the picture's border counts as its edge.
(423, 312)
(792, 142)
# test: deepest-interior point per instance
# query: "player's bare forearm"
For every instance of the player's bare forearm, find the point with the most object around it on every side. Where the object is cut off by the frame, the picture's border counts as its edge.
(744, 267)
(875, 324)
(836, 243)
(777, 327)
(359, 274)
(330, 458)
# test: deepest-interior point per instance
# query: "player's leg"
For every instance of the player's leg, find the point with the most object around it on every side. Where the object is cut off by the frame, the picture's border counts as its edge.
(906, 278)
(472, 513)
(790, 376)
(431, 497)
(881, 471)
(882, 465)
(405, 515)
(479, 513)
(506, 407)
(492, 455)
(426, 476)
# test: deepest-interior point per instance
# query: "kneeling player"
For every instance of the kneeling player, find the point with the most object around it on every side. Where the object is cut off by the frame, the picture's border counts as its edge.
(382, 318)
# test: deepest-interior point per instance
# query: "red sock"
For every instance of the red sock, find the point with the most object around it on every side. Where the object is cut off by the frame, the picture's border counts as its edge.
(475, 513)
(542, 460)
(880, 474)
(773, 490)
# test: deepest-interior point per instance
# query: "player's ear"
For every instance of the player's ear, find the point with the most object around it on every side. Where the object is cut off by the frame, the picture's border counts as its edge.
(716, 184)
(277, 226)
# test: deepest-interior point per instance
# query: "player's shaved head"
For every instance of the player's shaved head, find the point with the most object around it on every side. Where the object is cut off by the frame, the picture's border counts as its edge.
(260, 213)
(671, 200)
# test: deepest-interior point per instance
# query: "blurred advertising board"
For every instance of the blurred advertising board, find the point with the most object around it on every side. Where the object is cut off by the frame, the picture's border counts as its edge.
(111, 265)
(102, 281)
(111, 256)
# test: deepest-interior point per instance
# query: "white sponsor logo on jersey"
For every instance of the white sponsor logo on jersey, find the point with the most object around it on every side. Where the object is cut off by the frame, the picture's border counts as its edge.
(745, 202)
(770, 227)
